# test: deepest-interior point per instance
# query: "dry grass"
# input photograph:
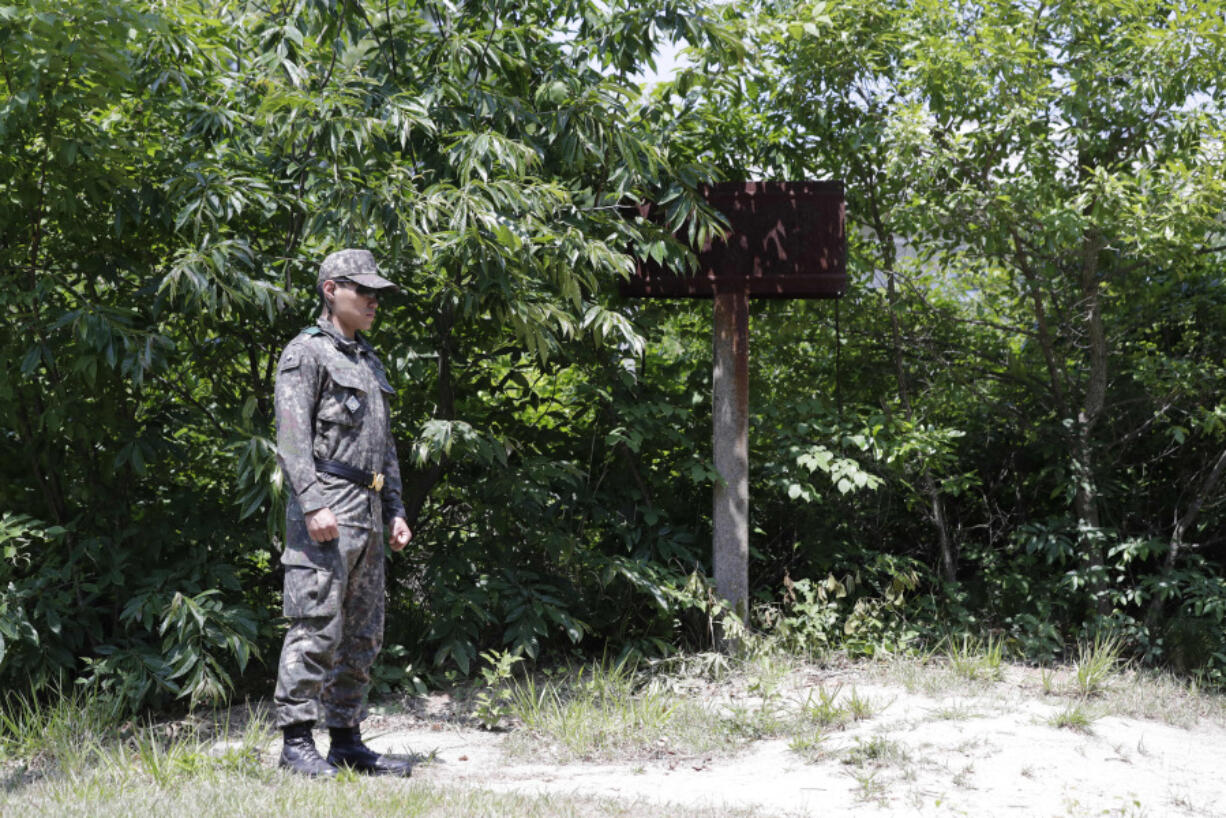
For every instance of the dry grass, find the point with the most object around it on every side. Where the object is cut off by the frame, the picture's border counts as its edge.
(61, 760)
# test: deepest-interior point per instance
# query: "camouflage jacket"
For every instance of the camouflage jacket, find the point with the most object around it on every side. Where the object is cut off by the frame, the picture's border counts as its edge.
(332, 399)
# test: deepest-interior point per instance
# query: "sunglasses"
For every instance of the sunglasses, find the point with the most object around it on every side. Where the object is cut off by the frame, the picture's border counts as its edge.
(365, 292)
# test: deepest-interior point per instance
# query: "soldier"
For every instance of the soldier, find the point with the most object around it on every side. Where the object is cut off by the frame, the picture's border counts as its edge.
(335, 448)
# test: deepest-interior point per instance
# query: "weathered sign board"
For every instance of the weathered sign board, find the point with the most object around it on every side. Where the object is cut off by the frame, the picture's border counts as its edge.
(786, 240)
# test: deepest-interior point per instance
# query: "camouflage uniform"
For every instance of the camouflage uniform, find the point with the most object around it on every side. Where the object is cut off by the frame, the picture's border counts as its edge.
(332, 399)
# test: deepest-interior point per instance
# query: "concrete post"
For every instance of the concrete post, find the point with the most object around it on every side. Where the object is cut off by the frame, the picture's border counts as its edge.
(731, 443)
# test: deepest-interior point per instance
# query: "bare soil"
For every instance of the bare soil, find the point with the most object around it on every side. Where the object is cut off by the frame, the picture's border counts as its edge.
(937, 747)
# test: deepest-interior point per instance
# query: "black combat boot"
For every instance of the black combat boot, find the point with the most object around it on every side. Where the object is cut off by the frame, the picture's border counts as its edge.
(349, 751)
(298, 753)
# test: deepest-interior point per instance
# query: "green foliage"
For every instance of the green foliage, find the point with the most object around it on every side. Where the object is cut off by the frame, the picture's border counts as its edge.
(396, 673)
(200, 636)
(864, 613)
(1029, 241)
(170, 175)
(495, 701)
(812, 614)
(1012, 423)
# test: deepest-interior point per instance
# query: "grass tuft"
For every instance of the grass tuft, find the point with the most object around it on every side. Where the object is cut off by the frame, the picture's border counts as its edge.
(615, 711)
(63, 732)
(1097, 663)
(975, 659)
(1076, 717)
(811, 747)
(955, 711)
(876, 751)
(600, 711)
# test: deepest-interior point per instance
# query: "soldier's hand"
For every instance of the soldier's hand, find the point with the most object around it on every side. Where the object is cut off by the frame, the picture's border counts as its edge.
(400, 534)
(321, 525)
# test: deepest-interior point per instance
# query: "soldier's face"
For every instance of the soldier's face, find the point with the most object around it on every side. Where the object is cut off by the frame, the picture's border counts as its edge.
(353, 307)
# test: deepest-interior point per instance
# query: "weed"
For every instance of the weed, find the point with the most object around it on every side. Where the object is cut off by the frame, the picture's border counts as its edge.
(981, 743)
(1074, 717)
(163, 760)
(859, 708)
(975, 660)
(753, 723)
(811, 747)
(955, 712)
(242, 755)
(1047, 678)
(114, 793)
(823, 707)
(877, 751)
(494, 702)
(1133, 809)
(1163, 697)
(64, 732)
(767, 672)
(709, 665)
(824, 710)
(1097, 662)
(871, 787)
(598, 711)
(911, 673)
(1189, 805)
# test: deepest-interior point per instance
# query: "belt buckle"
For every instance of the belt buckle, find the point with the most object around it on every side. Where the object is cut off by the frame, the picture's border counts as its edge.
(376, 482)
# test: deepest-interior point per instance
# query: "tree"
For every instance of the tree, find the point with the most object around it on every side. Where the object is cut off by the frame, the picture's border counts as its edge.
(173, 173)
(1037, 186)
(1079, 148)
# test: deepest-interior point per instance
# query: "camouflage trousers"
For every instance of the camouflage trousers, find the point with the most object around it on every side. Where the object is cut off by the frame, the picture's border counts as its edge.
(334, 601)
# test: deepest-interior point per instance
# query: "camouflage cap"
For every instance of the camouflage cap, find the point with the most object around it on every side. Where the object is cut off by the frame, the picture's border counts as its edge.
(357, 266)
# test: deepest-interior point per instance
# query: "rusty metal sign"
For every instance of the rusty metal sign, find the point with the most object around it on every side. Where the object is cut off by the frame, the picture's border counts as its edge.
(786, 241)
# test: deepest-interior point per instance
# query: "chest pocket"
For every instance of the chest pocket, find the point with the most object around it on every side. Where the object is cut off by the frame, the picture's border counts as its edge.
(381, 377)
(345, 399)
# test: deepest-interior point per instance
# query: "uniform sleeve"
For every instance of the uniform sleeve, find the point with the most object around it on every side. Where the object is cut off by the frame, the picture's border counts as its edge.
(297, 393)
(393, 504)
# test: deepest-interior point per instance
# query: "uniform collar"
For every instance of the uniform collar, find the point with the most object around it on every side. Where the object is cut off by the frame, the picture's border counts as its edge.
(357, 343)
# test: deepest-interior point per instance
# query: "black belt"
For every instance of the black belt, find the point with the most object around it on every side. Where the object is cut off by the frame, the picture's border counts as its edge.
(365, 479)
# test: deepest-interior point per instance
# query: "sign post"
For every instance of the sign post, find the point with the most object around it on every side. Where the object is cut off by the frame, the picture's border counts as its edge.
(730, 419)
(786, 241)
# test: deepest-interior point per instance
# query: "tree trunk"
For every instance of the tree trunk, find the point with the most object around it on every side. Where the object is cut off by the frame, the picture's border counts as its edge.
(416, 490)
(947, 555)
(1089, 531)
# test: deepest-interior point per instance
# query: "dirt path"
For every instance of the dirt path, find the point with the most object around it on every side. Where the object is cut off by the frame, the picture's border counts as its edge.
(995, 752)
